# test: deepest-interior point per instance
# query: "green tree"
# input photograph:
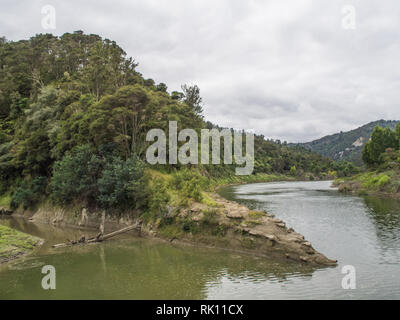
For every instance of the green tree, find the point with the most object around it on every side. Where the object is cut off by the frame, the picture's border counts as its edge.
(75, 176)
(123, 183)
(381, 139)
(192, 98)
(397, 132)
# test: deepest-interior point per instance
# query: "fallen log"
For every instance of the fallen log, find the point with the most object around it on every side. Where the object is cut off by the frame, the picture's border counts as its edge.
(99, 238)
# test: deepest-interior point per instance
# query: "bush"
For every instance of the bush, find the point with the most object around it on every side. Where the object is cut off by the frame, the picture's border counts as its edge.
(383, 181)
(75, 176)
(189, 183)
(122, 184)
(28, 194)
(159, 196)
(107, 181)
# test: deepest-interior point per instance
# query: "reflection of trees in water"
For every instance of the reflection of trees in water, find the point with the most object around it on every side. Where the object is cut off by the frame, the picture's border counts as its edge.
(145, 269)
(153, 270)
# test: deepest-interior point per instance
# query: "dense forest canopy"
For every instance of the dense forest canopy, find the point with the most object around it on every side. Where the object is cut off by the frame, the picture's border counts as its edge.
(74, 113)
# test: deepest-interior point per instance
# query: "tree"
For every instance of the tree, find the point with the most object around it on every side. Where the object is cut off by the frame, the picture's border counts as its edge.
(397, 132)
(119, 118)
(381, 139)
(122, 184)
(192, 98)
(75, 176)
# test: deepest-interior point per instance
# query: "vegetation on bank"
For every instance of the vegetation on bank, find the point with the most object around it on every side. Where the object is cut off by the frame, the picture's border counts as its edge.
(74, 114)
(14, 243)
(381, 155)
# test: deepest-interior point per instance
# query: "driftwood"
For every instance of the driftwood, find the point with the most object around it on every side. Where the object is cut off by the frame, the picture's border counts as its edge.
(100, 237)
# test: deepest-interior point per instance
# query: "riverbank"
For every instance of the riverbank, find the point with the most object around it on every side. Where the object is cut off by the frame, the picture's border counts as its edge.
(14, 244)
(375, 183)
(209, 220)
(227, 224)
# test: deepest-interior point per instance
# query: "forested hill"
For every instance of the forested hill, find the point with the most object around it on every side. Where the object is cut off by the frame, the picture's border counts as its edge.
(74, 113)
(346, 145)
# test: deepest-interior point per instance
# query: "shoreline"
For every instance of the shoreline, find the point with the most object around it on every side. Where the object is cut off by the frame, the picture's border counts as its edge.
(221, 224)
(383, 184)
(15, 244)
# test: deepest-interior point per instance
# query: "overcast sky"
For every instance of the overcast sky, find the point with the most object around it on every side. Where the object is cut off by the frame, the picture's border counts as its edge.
(291, 70)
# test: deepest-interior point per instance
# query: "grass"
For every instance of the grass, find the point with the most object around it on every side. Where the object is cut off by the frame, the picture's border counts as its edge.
(254, 214)
(13, 242)
(5, 200)
(386, 182)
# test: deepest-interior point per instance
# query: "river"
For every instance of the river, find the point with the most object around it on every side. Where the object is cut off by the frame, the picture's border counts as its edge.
(361, 232)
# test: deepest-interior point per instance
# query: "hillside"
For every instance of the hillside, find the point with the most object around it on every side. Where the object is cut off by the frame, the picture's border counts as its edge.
(346, 145)
(74, 114)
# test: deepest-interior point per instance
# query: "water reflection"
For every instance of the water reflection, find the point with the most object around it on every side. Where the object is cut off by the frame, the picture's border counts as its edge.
(134, 268)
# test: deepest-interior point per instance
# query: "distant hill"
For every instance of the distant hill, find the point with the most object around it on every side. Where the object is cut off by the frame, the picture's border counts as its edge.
(346, 145)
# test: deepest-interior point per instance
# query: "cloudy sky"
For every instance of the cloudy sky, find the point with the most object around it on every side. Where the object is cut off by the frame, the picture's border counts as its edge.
(291, 70)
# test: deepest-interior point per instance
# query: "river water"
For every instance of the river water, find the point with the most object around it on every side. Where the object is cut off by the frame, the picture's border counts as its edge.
(361, 232)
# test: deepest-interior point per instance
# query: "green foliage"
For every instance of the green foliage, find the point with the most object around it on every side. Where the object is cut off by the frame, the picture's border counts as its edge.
(75, 176)
(256, 214)
(189, 183)
(381, 141)
(74, 111)
(28, 193)
(107, 182)
(373, 181)
(159, 196)
(210, 217)
(122, 183)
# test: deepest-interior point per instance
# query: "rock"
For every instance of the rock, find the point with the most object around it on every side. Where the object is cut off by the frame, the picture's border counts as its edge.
(310, 251)
(282, 224)
(271, 237)
(234, 215)
(304, 259)
(257, 233)
(290, 230)
(306, 243)
(244, 229)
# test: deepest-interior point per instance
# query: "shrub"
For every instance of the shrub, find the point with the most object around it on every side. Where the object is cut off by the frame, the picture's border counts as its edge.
(122, 184)
(107, 181)
(256, 214)
(75, 176)
(159, 196)
(383, 181)
(189, 183)
(28, 194)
